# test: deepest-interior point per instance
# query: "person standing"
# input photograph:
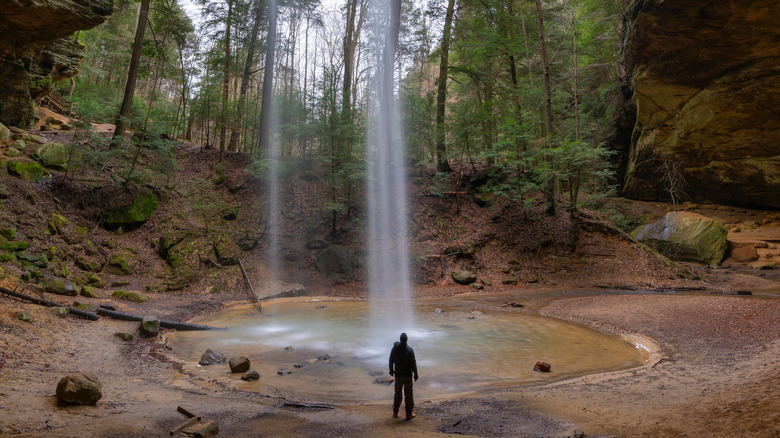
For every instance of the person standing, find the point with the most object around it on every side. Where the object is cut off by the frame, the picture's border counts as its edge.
(403, 366)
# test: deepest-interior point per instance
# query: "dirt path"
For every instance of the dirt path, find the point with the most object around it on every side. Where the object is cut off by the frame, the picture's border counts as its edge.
(717, 375)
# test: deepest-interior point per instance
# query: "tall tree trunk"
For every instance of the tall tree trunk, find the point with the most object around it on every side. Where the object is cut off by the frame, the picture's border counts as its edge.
(245, 78)
(443, 164)
(351, 37)
(549, 190)
(576, 75)
(132, 74)
(225, 81)
(268, 78)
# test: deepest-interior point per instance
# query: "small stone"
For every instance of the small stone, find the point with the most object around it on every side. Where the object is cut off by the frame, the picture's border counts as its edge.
(438, 311)
(25, 316)
(509, 281)
(62, 312)
(79, 389)
(288, 348)
(283, 372)
(542, 367)
(239, 364)
(384, 380)
(124, 336)
(250, 376)
(149, 327)
(204, 429)
(211, 357)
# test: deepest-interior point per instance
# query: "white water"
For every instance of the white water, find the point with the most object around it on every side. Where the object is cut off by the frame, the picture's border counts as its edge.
(388, 253)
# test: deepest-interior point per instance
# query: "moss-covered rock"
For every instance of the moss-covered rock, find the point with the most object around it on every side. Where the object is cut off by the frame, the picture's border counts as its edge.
(85, 307)
(25, 316)
(38, 260)
(28, 170)
(87, 264)
(7, 257)
(52, 155)
(129, 296)
(227, 252)
(57, 223)
(119, 264)
(91, 292)
(8, 233)
(62, 312)
(133, 215)
(12, 245)
(59, 286)
(75, 235)
(686, 236)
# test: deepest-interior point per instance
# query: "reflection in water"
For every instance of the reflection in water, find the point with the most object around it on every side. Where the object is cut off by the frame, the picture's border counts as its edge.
(333, 357)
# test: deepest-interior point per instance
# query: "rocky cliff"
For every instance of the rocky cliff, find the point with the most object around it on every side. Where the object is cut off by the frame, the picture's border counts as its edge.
(34, 53)
(705, 78)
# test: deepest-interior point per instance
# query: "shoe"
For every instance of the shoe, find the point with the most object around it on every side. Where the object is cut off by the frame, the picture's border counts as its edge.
(395, 414)
(409, 417)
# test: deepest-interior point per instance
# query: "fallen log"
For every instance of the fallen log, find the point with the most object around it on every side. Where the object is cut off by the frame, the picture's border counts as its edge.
(164, 323)
(104, 312)
(46, 303)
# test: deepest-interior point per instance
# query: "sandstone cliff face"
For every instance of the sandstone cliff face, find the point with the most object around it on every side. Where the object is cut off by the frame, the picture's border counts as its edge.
(705, 76)
(33, 51)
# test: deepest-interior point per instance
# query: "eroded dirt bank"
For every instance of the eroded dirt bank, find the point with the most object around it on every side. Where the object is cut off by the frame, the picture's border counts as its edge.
(717, 376)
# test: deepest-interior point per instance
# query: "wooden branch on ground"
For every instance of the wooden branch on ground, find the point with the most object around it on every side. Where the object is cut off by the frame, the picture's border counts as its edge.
(307, 405)
(46, 303)
(164, 323)
(259, 305)
(104, 312)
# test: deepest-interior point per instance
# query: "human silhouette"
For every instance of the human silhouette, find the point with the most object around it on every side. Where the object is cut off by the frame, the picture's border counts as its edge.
(403, 366)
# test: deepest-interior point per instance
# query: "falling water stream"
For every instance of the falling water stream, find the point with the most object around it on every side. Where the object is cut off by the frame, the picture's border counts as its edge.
(389, 287)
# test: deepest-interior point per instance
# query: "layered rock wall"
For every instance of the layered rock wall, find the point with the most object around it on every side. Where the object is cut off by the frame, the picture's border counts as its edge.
(705, 76)
(34, 53)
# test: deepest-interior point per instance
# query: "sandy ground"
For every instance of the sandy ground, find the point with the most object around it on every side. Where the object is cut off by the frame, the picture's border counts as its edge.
(714, 374)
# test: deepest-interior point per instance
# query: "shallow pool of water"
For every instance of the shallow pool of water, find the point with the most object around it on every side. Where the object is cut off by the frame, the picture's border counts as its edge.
(330, 350)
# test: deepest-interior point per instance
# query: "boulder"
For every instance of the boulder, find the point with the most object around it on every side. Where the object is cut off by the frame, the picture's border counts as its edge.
(702, 94)
(129, 296)
(52, 156)
(28, 170)
(239, 364)
(335, 262)
(149, 327)
(464, 277)
(79, 389)
(133, 214)
(60, 286)
(4, 132)
(87, 264)
(686, 236)
(227, 252)
(211, 357)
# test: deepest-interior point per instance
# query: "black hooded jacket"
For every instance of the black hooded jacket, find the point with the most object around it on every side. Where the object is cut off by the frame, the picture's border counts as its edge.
(402, 360)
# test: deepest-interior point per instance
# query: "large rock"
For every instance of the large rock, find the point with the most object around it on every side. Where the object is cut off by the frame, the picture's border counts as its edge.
(34, 51)
(687, 237)
(133, 214)
(335, 262)
(79, 389)
(463, 277)
(28, 170)
(239, 364)
(149, 327)
(704, 81)
(211, 357)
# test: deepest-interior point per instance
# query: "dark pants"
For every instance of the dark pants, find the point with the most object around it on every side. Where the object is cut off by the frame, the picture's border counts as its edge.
(404, 384)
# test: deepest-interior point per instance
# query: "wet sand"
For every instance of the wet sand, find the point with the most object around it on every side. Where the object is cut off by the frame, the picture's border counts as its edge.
(716, 376)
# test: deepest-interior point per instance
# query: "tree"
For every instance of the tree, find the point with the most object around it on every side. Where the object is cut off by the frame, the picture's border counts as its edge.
(268, 77)
(443, 164)
(132, 73)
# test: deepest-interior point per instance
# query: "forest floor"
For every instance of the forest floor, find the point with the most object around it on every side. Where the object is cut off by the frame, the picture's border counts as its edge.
(714, 367)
